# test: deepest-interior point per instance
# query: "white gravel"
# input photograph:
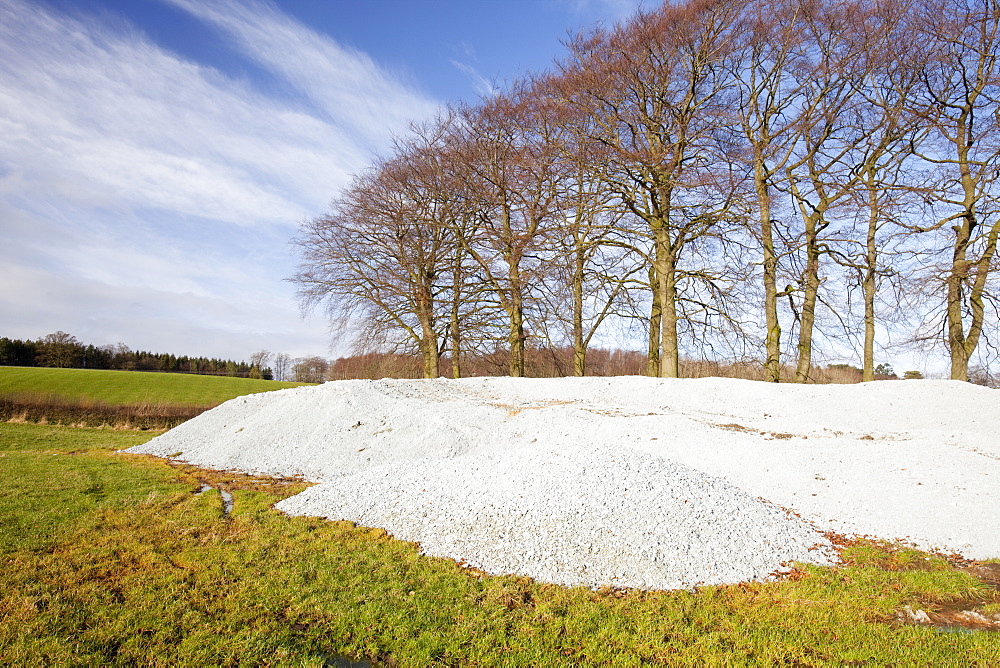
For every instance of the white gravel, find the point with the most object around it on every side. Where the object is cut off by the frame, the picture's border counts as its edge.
(629, 482)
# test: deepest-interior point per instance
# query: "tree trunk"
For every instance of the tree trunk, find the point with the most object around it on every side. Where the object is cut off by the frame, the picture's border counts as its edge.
(431, 359)
(772, 342)
(455, 325)
(958, 346)
(956, 277)
(868, 282)
(655, 317)
(666, 286)
(516, 335)
(456, 347)
(579, 345)
(977, 293)
(811, 293)
(428, 337)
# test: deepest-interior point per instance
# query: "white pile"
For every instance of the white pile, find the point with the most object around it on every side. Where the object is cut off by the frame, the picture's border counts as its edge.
(630, 482)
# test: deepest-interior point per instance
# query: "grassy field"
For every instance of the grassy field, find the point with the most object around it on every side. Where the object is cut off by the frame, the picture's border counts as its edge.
(116, 559)
(131, 387)
(121, 399)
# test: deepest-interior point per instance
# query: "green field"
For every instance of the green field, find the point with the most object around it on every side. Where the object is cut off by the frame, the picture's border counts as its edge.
(130, 387)
(114, 559)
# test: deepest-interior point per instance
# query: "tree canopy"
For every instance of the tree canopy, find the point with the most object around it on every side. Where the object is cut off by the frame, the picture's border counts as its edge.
(725, 180)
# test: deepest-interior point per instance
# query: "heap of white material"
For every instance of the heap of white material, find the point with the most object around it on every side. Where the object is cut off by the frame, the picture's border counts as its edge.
(630, 482)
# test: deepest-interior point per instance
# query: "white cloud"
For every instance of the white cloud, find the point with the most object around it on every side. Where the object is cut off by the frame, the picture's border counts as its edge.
(151, 198)
(607, 10)
(108, 119)
(121, 280)
(344, 84)
(480, 84)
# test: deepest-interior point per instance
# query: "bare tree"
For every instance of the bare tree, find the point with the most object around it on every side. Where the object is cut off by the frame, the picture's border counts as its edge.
(594, 271)
(769, 101)
(654, 89)
(961, 96)
(310, 369)
(469, 317)
(887, 180)
(58, 349)
(258, 362)
(676, 171)
(509, 182)
(592, 264)
(282, 366)
(382, 252)
(820, 177)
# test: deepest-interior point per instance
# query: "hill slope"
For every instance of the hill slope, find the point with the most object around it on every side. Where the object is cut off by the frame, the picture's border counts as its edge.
(131, 387)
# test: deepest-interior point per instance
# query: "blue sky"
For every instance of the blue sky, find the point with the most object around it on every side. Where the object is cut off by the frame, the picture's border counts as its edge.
(156, 156)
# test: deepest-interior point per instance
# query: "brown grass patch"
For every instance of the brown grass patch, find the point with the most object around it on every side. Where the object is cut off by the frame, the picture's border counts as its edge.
(28, 407)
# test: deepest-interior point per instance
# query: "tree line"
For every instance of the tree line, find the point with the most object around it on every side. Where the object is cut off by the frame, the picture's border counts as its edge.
(63, 350)
(556, 362)
(723, 179)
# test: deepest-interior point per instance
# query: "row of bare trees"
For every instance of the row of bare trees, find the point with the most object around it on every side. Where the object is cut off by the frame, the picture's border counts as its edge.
(733, 180)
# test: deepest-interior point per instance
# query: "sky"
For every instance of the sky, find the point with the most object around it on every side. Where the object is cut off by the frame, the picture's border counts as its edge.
(157, 156)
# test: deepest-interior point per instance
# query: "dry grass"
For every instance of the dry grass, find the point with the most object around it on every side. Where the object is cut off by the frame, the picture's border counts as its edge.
(20, 407)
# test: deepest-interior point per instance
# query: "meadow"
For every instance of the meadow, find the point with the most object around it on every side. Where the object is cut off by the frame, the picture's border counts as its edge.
(126, 387)
(111, 558)
(129, 399)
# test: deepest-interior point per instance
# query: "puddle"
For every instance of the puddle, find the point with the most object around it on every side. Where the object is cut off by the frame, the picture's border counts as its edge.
(227, 498)
(227, 502)
(344, 662)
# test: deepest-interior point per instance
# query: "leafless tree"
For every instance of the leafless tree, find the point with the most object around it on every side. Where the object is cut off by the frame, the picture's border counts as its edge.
(961, 102)
(819, 176)
(509, 184)
(380, 255)
(58, 349)
(769, 102)
(258, 362)
(592, 263)
(677, 170)
(654, 89)
(310, 369)
(282, 366)
(888, 182)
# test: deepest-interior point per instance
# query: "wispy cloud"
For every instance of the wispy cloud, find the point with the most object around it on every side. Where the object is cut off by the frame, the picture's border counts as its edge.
(140, 191)
(107, 119)
(344, 84)
(480, 84)
(614, 9)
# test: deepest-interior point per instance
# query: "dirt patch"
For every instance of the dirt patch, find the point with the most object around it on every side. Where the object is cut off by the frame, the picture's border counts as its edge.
(516, 410)
(750, 430)
(955, 617)
(988, 572)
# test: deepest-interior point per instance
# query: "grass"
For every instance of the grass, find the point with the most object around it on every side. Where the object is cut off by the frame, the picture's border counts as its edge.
(124, 399)
(131, 387)
(114, 559)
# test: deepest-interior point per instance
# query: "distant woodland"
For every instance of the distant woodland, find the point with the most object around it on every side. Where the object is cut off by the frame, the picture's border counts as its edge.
(63, 350)
(754, 185)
